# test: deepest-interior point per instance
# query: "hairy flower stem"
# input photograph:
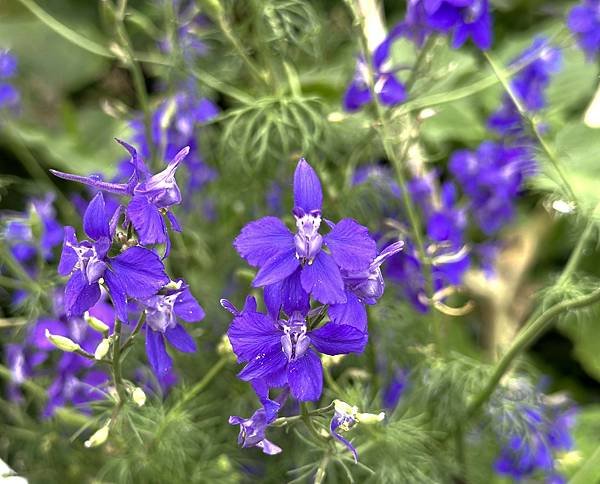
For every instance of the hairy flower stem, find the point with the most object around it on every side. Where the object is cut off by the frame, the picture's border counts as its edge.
(524, 339)
(500, 74)
(139, 82)
(398, 161)
(116, 362)
(283, 421)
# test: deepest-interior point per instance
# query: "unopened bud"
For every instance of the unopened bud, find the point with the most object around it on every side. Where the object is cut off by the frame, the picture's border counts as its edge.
(138, 396)
(98, 438)
(329, 361)
(102, 349)
(224, 347)
(95, 323)
(62, 343)
(370, 418)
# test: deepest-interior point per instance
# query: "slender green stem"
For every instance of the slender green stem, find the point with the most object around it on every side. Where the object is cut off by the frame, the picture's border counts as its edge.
(139, 82)
(116, 362)
(524, 339)
(283, 421)
(416, 69)
(131, 338)
(502, 77)
(331, 382)
(578, 252)
(306, 418)
(202, 384)
(322, 469)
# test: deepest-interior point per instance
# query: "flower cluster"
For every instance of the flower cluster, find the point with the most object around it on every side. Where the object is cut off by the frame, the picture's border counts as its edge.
(584, 22)
(9, 95)
(340, 270)
(127, 268)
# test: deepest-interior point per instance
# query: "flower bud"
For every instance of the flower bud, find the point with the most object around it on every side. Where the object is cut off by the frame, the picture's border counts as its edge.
(62, 343)
(224, 347)
(370, 418)
(95, 323)
(138, 396)
(98, 438)
(102, 349)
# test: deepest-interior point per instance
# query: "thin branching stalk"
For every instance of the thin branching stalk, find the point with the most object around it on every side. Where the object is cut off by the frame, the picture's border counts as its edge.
(116, 364)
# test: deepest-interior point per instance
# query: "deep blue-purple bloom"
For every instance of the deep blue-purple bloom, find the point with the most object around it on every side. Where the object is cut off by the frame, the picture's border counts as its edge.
(294, 266)
(529, 85)
(463, 19)
(152, 196)
(173, 302)
(584, 22)
(9, 95)
(282, 352)
(136, 272)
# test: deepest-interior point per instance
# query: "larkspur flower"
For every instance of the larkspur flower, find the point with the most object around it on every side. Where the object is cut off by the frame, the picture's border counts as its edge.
(136, 272)
(253, 429)
(345, 418)
(584, 22)
(294, 266)
(463, 19)
(363, 287)
(529, 85)
(174, 301)
(282, 352)
(9, 95)
(151, 196)
(394, 390)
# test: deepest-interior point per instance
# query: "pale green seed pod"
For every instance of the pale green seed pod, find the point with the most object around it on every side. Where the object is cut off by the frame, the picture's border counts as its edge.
(102, 349)
(95, 323)
(98, 438)
(62, 343)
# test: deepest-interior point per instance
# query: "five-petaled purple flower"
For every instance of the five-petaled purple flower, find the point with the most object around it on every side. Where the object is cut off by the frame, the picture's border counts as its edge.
(162, 311)
(151, 196)
(136, 272)
(282, 352)
(294, 266)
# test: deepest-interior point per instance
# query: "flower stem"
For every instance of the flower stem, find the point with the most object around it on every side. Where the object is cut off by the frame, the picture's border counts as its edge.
(116, 362)
(131, 338)
(525, 338)
(202, 384)
(283, 421)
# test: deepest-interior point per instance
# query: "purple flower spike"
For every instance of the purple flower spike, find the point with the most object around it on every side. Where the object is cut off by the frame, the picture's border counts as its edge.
(135, 272)
(280, 352)
(294, 266)
(174, 301)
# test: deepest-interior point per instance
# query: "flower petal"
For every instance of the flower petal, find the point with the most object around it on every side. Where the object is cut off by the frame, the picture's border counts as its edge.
(252, 334)
(287, 295)
(263, 365)
(277, 268)
(305, 377)
(159, 359)
(95, 223)
(262, 239)
(323, 280)
(338, 339)
(147, 221)
(187, 308)
(117, 294)
(307, 187)
(352, 312)
(140, 271)
(180, 339)
(68, 257)
(79, 295)
(351, 246)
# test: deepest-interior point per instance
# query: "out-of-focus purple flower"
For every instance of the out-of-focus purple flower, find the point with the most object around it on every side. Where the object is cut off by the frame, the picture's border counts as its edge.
(584, 22)
(394, 390)
(190, 25)
(531, 452)
(362, 287)
(162, 311)
(9, 95)
(253, 429)
(282, 352)
(463, 19)
(294, 266)
(151, 196)
(529, 85)
(136, 272)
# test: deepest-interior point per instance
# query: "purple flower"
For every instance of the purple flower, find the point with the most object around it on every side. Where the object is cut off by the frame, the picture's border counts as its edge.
(584, 22)
(136, 272)
(463, 19)
(282, 352)
(294, 266)
(9, 95)
(394, 389)
(151, 196)
(173, 302)
(362, 287)
(253, 429)
(529, 85)
(387, 86)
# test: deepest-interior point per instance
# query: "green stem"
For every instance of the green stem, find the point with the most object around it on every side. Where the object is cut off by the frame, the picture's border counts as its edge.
(306, 418)
(499, 72)
(283, 421)
(525, 338)
(202, 384)
(131, 338)
(416, 69)
(116, 362)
